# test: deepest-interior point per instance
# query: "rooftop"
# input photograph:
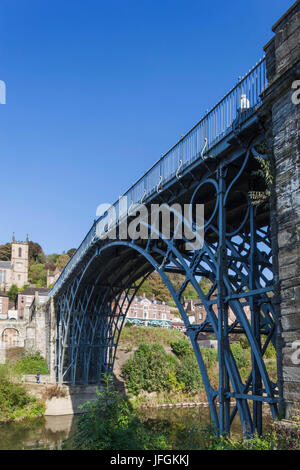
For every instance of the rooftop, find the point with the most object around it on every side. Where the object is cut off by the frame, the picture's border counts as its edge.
(5, 264)
(33, 290)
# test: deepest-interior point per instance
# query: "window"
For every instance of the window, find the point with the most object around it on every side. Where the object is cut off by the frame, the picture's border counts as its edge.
(20, 252)
(19, 277)
(163, 316)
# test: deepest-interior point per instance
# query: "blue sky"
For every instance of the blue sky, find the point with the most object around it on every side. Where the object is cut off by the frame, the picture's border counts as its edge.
(98, 90)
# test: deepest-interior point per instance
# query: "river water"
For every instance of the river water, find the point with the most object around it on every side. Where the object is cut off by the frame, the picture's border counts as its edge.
(183, 424)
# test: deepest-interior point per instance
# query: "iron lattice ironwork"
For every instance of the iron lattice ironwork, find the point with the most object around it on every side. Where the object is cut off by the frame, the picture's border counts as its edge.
(236, 257)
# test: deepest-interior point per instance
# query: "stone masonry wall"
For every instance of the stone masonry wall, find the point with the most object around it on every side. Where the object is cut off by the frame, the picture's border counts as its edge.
(281, 117)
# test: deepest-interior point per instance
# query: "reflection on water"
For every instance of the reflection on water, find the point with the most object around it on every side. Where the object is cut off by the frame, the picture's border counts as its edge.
(182, 425)
(43, 433)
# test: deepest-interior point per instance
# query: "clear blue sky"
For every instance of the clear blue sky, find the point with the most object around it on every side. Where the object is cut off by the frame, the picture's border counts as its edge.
(98, 90)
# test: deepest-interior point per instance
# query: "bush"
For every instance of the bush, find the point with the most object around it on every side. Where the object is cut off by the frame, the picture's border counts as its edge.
(31, 363)
(149, 369)
(181, 347)
(210, 357)
(270, 352)
(110, 423)
(240, 356)
(188, 373)
(16, 403)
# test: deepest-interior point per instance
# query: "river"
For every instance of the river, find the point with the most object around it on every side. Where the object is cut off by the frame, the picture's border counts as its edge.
(183, 424)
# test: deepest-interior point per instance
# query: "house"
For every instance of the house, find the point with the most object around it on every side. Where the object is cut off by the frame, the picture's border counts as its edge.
(4, 306)
(145, 311)
(25, 298)
(52, 277)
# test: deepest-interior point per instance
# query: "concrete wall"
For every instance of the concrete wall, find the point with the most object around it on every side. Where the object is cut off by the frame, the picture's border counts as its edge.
(281, 119)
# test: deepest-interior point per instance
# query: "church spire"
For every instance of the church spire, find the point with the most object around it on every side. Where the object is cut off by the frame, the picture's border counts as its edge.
(13, 237)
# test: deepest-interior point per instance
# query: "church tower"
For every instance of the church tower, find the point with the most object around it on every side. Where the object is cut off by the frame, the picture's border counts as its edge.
(19, 261)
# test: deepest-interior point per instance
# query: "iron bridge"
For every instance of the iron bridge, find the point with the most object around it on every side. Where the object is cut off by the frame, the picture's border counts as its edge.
(214, 164)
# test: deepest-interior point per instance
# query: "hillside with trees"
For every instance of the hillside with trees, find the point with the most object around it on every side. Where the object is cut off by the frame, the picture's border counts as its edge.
(39, 262)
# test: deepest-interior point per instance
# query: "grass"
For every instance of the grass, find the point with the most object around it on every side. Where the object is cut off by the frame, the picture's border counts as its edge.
(135, 335)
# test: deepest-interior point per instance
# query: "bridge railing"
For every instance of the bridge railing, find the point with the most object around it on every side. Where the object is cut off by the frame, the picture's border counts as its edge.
(196, 144)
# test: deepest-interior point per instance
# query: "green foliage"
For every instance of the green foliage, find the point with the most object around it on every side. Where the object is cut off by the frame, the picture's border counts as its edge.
(243, 341)
(38, 274)
(270, 352)
(31, 363)
(110, 423)
(205, 285)
(71, 252)
(240, 355)
(265, 173)
(149, 369)
(62, 261)
(135, 335)
(188, 373)
(155, 286)
(5, 252)
(181, 347)
(53, 258)
(15, 402)
(36, 254)
(153, 370)
(12, 293)
(210, 357)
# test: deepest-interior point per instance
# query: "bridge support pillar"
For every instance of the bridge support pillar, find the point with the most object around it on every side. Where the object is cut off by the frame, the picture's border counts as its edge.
(280, 113)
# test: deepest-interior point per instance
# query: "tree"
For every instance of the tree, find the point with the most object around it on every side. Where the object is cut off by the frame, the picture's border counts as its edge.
(71, 252)
(53, 258)
(50, 266)
(205, 285)
(62, 261)
(5, 252)
(36, 254)
(155, 286)
(12, 293)
(38, 274)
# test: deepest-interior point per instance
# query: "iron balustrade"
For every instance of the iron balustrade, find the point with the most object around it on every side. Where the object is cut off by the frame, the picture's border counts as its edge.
(196, 144)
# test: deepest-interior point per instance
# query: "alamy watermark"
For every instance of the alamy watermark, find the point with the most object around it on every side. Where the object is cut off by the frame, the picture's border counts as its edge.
(125, 221)
(2, 92)
(295, 357)
(296, 94)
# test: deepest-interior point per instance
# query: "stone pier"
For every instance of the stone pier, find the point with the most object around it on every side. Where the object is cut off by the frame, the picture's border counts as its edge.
(280, 117)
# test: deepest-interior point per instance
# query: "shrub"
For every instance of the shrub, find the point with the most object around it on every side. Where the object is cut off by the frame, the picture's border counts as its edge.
(270, 352)
(181, 347)
(149, 369)
(210, 357)
(240, 356)
(31, 363)
(16, 403)
(188, 373)
(54, 391)
(110, 423)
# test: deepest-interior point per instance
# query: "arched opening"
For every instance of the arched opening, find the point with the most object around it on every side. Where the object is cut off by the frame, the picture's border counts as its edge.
(10, 337)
